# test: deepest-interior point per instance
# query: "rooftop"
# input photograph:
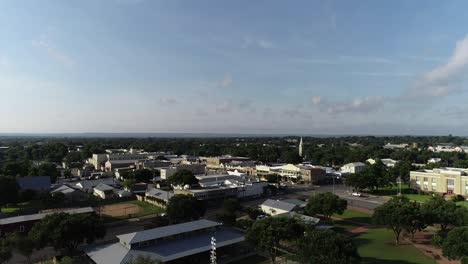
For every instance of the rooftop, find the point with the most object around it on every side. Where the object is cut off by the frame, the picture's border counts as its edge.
(279, 205)
(35, 217)
(165, 231)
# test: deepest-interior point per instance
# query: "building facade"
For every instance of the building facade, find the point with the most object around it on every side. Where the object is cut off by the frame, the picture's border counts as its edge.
(441, 180)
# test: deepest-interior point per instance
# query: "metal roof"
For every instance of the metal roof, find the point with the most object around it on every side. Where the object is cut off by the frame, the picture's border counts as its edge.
(34, 182)
(279, 205)
(165, 231)
(35, 217)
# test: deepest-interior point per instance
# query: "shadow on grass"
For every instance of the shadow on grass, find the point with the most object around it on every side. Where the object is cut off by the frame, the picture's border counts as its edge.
(369, 260)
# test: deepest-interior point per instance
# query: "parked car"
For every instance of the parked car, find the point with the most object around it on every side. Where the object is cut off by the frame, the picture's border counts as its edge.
(358, 194)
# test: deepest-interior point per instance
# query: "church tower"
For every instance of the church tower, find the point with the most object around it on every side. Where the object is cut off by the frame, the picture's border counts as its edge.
(300, 147)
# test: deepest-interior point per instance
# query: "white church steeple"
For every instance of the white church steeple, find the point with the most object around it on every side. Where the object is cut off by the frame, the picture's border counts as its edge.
(300, 147)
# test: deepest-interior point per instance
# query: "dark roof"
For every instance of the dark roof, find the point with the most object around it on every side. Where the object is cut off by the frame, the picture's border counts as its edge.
(34, 183)
(35, 217)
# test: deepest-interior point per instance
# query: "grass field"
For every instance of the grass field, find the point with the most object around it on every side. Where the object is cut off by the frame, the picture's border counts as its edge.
(146, 209)
(376, 246)
(463, 203)
(355, 216)
(32, 205)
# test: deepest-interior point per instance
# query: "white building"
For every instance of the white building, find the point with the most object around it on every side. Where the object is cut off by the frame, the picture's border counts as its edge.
(354, 167)
(387, 162)
(277, 207)
(434, 160)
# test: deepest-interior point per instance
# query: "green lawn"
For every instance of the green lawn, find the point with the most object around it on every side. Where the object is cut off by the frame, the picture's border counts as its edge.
(376, 246)
(418, 197)
(355, 216)
(32, 205)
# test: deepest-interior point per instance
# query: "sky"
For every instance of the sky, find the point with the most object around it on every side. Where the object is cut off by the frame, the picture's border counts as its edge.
(244, 66)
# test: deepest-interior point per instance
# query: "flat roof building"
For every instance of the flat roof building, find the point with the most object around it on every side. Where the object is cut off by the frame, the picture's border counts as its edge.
(441, 180)
(166, 244)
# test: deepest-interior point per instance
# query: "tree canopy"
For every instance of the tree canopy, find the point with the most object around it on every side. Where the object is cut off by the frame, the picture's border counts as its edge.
(439, 211)
(455, 245)
(66, 231)
(326, 247)
(182, 177)
(183, 208)
(325, 204)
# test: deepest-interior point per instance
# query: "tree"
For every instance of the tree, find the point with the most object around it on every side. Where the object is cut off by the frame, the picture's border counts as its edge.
(5, 250)
(266, 234)
(326, 247)
(455, 245)
(143, 175)
(231, 205)
(414, 221)
(439, 211)
(182, 177)
(143, 260)
(182, 208)
(24, 245)
(357, 181)
(46, 169)
(291, 157)
(397, 214)
(66, 232)
(128, 183)
(273, 178)
(325, 204)
(9, 191)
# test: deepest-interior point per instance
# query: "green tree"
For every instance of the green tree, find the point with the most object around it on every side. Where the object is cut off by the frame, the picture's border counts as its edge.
(266, 234)
(9, 191)
(455, 245)
(143, 175)
(273, 178)
(128, 183)
(182, 177)
(397, 214)
(66, 232)
(5, 250)
(325, 204)
(326, 247)
(445, 213)
(24, 245)
(291, 157)
(183, 208)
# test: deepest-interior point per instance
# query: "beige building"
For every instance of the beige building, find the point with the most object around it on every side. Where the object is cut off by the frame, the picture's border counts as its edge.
(441, 180)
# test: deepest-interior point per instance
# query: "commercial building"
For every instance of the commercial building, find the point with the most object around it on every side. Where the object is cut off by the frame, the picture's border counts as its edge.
(196, 169)
(441, 180)
(158, 197)
(215, 162)
(169, 244)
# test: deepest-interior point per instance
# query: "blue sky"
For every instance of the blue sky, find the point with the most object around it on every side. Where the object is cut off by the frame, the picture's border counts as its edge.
(302, 67)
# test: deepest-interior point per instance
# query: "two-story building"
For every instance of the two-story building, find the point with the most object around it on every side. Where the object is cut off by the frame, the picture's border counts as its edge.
(441, 180)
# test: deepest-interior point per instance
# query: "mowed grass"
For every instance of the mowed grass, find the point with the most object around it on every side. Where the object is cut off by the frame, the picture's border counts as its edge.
(463, 203)
(406, 191)
(31, 205)
(377, 246)
(355, 216)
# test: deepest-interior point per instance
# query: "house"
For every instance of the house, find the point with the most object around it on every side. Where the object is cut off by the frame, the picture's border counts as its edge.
(88, 185)
(36, 183)
(305, 218)
(434, 160)
(24, 223)
(390, 163)
(70, 193)
(395, 146)
(354, 167)
(158, 197)
(188, 242)
(104, 191)
(275, 207)
(139, 188)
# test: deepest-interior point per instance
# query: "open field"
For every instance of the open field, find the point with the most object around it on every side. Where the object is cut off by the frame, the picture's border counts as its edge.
(355, 216)
(129, 209)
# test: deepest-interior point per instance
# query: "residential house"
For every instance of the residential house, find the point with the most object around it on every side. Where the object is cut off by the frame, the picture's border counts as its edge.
(104, 191)
(276, 207)
(158, 197)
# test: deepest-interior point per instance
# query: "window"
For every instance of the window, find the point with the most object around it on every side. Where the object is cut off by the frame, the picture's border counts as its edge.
(434, 186)
(418, 183)
(426, 184)
(450, 184)
(22, 228)
(466, 187)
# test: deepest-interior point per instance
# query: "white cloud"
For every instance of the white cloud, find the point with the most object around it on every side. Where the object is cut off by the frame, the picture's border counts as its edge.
(53, 51)
(356, 105)
(257, 42)
(439, 82)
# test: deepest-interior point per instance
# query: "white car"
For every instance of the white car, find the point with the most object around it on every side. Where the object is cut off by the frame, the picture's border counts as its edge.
(358, 194)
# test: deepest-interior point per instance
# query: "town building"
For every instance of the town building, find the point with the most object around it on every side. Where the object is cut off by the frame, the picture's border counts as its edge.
(434, 160)
(169, 244)
(158, 197)
(354, 167)
(441, 180)
(196, 169)
(395, 146)
(215, 162)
